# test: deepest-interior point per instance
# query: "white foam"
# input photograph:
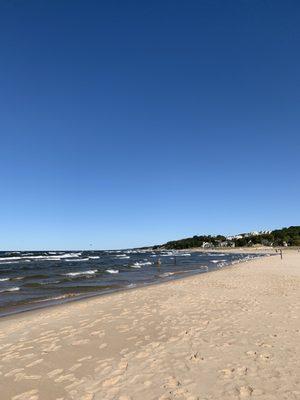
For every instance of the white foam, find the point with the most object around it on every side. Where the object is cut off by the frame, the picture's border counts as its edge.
(131, 285)
(166, 274)
(112, 271)
(217, 261)
(13, 289)
(64, 296)
(89, 272)
(4, 279)
(183, 254)
(10, 258)
(140, 264)
(94, 257)
(55, 257)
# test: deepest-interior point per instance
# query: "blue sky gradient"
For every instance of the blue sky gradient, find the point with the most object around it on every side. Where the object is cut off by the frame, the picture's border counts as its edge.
(132, 123)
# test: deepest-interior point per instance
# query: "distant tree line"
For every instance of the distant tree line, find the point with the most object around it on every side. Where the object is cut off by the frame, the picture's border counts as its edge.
(195, 241)
(279, 237)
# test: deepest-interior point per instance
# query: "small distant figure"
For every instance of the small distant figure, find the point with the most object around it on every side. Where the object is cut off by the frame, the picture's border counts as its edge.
(281, 253)
(158, 262)
(175, 260)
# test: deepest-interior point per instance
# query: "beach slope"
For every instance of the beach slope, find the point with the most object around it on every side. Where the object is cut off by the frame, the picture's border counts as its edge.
(229, 334)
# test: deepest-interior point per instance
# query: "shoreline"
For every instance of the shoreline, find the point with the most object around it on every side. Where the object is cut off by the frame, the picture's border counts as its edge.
(110, 292)
(229, 334)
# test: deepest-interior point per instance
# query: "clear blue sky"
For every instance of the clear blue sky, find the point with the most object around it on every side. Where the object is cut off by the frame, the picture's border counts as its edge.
(129, 123)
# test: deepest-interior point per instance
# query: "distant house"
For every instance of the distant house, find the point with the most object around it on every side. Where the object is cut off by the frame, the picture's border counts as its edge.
(206, 244)
(223, 244)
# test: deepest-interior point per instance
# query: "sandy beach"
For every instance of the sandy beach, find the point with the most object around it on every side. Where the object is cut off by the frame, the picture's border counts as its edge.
(228, 334)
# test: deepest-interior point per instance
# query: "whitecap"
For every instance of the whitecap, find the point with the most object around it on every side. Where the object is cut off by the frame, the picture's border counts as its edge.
(112, 271)
(55, 257)
(140, 264)
(9, 262)
(10, 258)
(13, 289)
(4, 279)
(89, 272)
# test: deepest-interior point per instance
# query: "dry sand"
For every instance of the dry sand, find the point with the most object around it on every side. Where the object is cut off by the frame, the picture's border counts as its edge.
(229, 334)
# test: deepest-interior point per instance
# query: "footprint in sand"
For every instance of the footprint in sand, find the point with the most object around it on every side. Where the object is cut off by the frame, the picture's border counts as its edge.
(142, 354)
(13, 372)
(171, 383)
(111, 381)
(97, 333)
(21, 376)
(245, 391)
(35, 363)
(242, 370)
(30, 395)
(123, 365)
(251, 353)
(227, 372)
(74, 367)
(196, 358)
(80, 342)
(63, 378)
(55, 372)
(84, 358)
(265, 357)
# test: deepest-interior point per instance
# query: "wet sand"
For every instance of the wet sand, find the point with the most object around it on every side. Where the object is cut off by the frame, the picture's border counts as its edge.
(228, 334)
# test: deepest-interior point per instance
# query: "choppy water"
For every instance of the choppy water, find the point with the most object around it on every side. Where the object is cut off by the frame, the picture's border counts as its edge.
(35, 279)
